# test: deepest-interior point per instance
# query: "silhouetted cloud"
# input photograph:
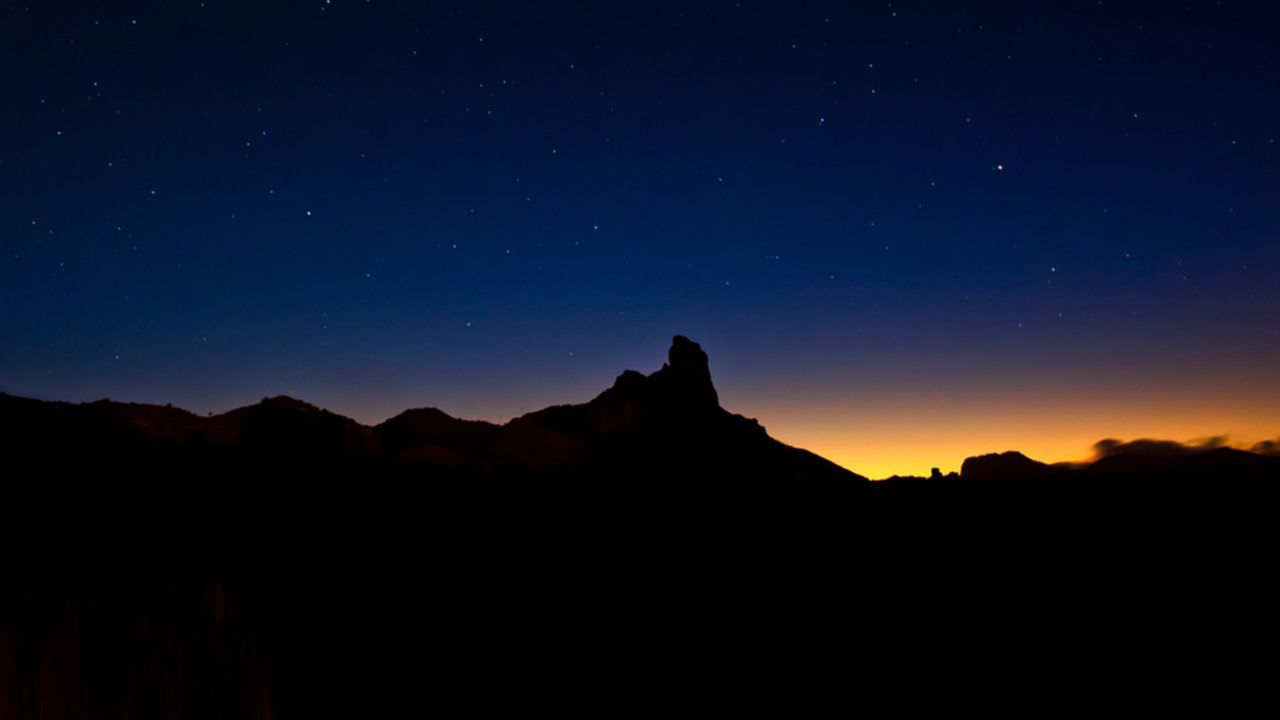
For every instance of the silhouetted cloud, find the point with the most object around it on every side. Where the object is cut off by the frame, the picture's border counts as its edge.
(1159, 448)
(1267, 447)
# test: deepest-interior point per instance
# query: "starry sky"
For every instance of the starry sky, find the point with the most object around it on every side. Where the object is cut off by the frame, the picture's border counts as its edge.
(905, 232)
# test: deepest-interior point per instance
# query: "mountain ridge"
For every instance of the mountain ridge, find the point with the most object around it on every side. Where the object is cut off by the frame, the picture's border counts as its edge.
(675, 408)
(668, 423)
(282, 560)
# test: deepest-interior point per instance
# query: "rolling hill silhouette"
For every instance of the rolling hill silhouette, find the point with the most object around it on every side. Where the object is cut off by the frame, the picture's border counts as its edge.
(280, 560)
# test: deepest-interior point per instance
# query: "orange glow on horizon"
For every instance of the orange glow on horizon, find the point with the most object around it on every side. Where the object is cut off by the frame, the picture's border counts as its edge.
(909, 436)
(907, 428)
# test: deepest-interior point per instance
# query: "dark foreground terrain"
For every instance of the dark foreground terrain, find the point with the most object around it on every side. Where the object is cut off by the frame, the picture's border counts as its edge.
(647, 550)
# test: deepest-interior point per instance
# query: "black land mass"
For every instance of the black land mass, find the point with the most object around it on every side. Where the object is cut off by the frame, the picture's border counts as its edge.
(282, 561)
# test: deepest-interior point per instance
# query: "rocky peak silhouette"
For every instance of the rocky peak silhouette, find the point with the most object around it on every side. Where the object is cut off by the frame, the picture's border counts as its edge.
(688, 372)
(681, 388)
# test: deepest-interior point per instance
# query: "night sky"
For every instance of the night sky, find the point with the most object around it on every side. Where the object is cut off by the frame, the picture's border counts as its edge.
(905, 233)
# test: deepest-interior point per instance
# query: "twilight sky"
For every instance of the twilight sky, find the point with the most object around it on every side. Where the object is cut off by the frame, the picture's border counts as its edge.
(905, 233)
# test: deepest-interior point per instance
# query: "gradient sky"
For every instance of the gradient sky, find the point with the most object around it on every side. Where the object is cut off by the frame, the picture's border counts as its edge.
(905, 233)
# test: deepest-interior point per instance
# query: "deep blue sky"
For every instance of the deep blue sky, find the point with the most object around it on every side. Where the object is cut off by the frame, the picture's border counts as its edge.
(492, 207)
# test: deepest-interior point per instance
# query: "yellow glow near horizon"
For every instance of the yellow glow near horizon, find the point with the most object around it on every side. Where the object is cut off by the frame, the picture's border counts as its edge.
(902, 430)
(911, 436)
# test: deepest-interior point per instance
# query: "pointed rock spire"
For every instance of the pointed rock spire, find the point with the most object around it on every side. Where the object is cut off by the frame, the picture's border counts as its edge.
(689, 373)
(683, 383)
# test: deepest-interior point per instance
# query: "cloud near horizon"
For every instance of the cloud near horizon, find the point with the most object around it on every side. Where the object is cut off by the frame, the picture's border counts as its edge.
(1160, 448)
(1267, 447)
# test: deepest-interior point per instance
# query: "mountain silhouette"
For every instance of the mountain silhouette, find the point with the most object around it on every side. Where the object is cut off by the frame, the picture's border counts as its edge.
(645, 430)
(280, 560)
